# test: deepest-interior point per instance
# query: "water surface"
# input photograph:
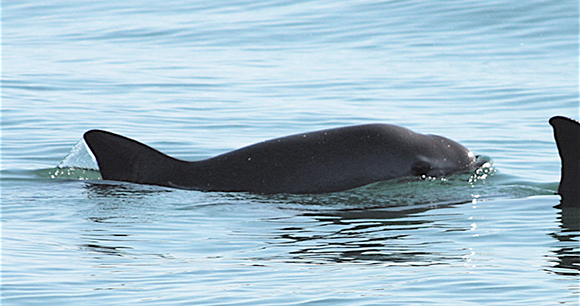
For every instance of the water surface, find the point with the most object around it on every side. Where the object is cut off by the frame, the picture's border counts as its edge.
(195, 79)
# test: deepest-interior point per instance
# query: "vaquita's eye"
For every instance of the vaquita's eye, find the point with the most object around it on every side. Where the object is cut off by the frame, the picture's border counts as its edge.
(420, 168)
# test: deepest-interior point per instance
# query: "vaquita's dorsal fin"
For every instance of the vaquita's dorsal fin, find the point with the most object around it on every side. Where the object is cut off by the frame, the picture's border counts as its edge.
(123, 159)
(567, 135)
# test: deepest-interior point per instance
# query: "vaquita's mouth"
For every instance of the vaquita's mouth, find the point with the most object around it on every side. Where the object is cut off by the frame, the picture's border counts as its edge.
(482, 161)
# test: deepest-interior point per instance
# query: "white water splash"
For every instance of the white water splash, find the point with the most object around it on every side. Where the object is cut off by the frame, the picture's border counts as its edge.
(79, 157)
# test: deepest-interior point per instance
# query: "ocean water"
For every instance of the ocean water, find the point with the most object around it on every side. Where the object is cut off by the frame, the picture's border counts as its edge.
(199, 78)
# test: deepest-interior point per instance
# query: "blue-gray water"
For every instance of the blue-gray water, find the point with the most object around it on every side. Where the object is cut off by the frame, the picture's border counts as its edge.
(198, 78)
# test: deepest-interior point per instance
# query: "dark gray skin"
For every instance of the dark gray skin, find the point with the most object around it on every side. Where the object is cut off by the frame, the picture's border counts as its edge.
(316, 162)
(567, 135)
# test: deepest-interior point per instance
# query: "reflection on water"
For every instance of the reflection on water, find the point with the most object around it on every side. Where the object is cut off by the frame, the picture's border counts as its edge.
(381, 223)
(568, 258)
(111, 189)
(102, 249)
(405, 222)
(408, 224)
(370, 236)
(118, 209)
